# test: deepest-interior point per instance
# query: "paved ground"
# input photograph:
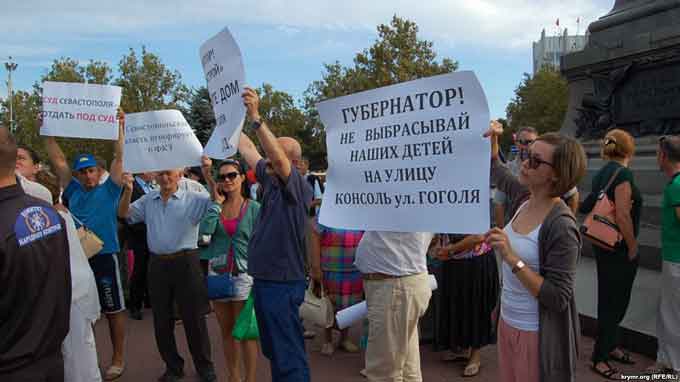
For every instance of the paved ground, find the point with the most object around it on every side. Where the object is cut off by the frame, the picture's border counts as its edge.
(144, 363)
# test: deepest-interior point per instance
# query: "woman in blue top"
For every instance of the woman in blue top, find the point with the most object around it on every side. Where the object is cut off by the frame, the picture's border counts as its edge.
(230, 223)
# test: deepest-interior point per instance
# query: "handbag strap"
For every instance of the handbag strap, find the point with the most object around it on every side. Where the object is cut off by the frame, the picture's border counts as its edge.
(79, 221)
(611, 180)
(230, 257)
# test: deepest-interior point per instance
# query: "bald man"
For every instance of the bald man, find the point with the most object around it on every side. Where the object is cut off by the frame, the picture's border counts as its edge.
(276, 254)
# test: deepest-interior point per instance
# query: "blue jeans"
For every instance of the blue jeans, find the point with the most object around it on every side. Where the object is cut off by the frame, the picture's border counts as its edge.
(277, 306)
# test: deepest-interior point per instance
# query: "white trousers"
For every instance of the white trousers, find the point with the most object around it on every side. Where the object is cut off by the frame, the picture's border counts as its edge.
(79, 350)
(668, 317)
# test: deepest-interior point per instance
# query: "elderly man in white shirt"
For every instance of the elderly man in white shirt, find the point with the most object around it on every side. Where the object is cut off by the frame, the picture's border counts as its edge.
(394, 269)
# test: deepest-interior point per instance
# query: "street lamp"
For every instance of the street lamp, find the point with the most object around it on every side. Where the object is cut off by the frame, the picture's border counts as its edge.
(10, 66)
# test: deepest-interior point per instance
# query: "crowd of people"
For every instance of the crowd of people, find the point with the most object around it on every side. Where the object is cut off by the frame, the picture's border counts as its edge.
(512, 286)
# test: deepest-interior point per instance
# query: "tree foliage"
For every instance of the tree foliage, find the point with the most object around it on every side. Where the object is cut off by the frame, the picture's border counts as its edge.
(148, 84)
(200, 115)
(398, 55)
(540, 102)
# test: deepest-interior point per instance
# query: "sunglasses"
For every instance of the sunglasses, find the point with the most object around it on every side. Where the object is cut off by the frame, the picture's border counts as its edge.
(536, 162)
(525, 142)
(230, 175)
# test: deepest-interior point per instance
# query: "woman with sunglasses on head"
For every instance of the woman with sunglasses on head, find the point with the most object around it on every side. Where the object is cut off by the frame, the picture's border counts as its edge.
(229, 223)
(538, 332)
(615, 269)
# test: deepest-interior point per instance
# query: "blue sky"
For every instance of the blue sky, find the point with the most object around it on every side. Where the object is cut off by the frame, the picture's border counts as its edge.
(284, 43)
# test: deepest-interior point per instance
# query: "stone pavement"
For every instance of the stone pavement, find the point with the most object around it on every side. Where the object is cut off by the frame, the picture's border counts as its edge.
(144, 363)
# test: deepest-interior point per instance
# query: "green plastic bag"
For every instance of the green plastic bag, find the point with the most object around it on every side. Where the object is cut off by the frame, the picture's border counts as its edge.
(245, 327)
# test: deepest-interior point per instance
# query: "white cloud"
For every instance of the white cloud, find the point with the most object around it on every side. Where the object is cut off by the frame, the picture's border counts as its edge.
(504, 24)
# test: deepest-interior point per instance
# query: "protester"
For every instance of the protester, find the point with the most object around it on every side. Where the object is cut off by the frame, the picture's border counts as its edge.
(28, 162)
(538, 334)
(27, 166)
(95, 205)
(615, 269)
(332, 258)
(230, 222)
(668, 316)
(314, 183)
(35, 279)
(396, 284)
(276, 254)
(79, 349)
(469, 293)
(525, 137)
(101, 165)
(136, 234)
(172, 217)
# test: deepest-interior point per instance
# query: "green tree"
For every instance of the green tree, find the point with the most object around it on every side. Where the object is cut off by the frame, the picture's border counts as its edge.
(148, 84)
(540, 101)
(199, 114)
(398, 55)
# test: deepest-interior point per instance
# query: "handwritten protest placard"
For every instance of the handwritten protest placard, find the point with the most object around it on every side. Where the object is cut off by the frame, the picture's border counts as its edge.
(80, 110)
(159, 140)
(224, 73)
(409, 157)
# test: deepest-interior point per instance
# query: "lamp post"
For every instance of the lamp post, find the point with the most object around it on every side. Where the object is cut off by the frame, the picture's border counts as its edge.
(10, 66)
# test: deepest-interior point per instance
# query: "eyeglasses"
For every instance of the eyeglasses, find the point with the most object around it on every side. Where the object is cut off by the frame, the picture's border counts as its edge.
(536, 162)
(230, 175)
(525, 142)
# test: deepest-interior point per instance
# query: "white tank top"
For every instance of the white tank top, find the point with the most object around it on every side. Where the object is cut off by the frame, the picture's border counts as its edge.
(519, 308)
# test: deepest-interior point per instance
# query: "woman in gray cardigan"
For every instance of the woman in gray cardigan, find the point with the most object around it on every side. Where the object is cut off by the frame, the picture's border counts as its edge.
(538, 333)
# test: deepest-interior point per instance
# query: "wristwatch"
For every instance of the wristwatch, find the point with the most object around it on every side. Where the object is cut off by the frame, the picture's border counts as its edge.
(256, 124)
(518, 266)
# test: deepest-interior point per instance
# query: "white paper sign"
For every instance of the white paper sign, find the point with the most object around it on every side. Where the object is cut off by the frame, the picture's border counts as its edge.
(409, 157)
(224, 73)
(79, 110)
(159, 140)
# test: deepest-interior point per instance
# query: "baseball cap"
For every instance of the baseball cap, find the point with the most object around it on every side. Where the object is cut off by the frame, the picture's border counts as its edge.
(84, 161)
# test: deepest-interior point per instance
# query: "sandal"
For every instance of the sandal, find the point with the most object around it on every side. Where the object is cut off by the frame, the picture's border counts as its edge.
(623, 358)
(114, 372)
(609, 373)
(471, 370)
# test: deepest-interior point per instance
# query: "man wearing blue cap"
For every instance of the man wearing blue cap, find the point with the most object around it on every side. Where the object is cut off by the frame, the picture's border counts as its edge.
(96, 206)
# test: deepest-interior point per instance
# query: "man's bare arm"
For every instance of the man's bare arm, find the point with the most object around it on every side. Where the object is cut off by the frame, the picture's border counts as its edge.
(117, 164)
(58, 161)
(248, 150)
(270, 144)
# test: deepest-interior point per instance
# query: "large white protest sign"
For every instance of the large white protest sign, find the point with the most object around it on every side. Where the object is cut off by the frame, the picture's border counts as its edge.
(159, 140)
(224, 73)
(409, 157)
(80, 110)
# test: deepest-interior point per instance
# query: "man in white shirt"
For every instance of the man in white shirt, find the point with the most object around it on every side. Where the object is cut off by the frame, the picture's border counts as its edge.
(394, 269)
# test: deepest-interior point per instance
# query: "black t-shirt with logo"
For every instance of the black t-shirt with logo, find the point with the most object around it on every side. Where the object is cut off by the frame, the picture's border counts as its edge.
(35, 280)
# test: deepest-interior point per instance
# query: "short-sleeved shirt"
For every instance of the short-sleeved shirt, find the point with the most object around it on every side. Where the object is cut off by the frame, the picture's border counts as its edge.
(625, 175)
(97, 209)
(393, 253)
(670, 228)
(35, 280)
(338, 247)
(171, 226)
(277, 249)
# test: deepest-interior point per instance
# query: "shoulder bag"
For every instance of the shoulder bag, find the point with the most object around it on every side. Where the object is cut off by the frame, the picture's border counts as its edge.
(600, 226)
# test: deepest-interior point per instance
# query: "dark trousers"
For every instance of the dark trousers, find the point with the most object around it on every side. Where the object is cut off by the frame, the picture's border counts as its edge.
(615, 276)
(48, 369)
(180, 279)
(277, 306)
(139, 292)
